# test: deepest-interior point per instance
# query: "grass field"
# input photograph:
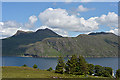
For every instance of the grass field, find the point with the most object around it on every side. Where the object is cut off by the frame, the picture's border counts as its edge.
(27, 72)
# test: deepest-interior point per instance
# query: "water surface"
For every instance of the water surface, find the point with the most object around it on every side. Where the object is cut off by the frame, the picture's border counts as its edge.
(45, 63)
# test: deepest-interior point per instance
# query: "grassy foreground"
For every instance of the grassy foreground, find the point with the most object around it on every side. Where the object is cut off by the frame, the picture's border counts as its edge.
(27, 72)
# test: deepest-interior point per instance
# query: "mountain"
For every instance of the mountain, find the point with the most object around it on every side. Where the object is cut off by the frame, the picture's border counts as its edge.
(10, 45)
(92, 45)
(46, 43)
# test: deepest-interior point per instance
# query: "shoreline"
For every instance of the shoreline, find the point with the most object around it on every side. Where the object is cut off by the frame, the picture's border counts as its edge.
(63, 56)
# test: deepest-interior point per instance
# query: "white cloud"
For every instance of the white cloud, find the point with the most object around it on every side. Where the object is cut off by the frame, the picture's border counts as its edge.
(57, 30)
(6, 32)
(61, 22)
(1, 23)
(9, 31)
(33, 19)
(9, 28)
(115, 31)
(28, 25)
(81, 8)
(111, 20)
(10, 24)
(59, 18)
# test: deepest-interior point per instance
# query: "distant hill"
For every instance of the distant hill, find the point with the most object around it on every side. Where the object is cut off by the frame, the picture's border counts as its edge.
(46, 43)
(10, 45)
(98, 33)
(97, 45)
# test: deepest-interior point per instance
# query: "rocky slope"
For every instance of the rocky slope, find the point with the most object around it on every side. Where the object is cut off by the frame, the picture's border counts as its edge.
(92, 45)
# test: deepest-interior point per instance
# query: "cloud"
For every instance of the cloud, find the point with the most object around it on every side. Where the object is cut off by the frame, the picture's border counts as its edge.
(81, 8)
(30, 23)
(111, 20)
(57, 30)
(6, 32)
(59, 18)
(61, 22)
(33, 19)
(9, 28)
(115, 31)
(10, 24)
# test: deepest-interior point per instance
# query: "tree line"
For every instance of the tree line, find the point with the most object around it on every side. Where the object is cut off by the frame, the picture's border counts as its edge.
(78, 66)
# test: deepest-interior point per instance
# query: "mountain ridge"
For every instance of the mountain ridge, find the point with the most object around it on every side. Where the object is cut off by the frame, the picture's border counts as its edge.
(98, 44)
(11, 44)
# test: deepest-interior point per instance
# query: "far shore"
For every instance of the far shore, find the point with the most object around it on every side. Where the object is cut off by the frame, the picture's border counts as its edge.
(65, 56)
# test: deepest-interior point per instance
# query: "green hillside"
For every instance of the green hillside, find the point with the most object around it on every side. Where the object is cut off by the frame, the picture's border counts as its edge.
(10, 46)
(46, 43)
(99, 45)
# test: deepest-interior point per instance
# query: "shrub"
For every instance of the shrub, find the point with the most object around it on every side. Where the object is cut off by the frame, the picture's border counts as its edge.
(109, 69)
(118, 73)
(50, 69)
(106, 74)
(24, 65)
(98, 70)
(91, 69)
(35, 66)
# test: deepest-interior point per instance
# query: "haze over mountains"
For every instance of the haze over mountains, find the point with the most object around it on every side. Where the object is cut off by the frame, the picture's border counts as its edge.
(46, 43)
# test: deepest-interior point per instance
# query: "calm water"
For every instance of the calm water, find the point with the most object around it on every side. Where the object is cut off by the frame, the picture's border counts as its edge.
(45, 63)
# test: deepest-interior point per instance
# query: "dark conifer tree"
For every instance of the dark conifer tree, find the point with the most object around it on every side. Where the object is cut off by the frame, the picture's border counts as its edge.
(71, 65)
(82, 66)
(91, 68)
(60, 66)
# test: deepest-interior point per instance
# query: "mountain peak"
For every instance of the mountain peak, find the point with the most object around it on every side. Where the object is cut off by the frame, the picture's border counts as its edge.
(19, 32)
(46, 29)
(47, 32)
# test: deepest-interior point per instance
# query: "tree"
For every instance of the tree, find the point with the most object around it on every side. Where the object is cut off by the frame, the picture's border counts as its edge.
(91, 68)
(50, 69)
(71, 65)
(60, 66)
(106, 74)
(103, 71)
(109, 69)
(98, 70)
(24, 65)
(82, 67)
(117, 73)
(35, 66)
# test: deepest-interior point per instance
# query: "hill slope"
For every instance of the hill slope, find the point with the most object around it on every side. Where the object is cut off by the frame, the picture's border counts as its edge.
(92, 45)
(10, 46)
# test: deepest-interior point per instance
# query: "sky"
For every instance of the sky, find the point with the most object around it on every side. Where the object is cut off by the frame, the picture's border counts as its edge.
(68, 19)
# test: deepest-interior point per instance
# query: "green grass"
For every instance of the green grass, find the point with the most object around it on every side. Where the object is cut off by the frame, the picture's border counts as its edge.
(27, 72)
